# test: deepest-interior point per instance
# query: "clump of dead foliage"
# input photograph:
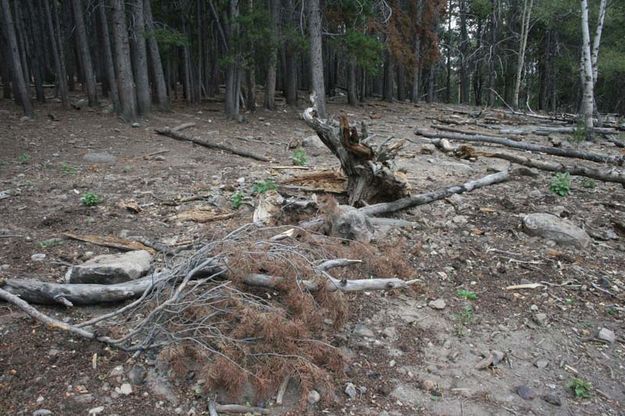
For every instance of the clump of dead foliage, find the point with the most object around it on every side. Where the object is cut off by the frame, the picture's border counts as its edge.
(241, 338)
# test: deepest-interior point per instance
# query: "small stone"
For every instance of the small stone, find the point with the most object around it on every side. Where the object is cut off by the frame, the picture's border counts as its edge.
(83, 398)
(313, 396)
(99, 157)
(525, 392)
(42, 412)
(437, 304)
(135, 125)
(551, 227)
(541, 363)
(96, 410)
(606, 335)
(428, 385)
(38, 257)
(552, 399)
(350, 390)
(117, 371)
(136, 375)
(534, 308)
(111, 268)
(363, 331)
(540, 318)
(389, 332)
(40, 399)
(125, 389)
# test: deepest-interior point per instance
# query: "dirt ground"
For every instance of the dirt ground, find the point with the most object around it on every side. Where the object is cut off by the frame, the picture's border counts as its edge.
(406, 357)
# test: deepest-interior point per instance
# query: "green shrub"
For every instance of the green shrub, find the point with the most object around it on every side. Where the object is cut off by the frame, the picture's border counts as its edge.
(90, 199)
(299, 158)
(561, 184)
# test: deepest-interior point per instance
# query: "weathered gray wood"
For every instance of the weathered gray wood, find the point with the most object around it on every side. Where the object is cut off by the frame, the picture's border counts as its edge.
(426, 198)
(179, 136)
(556, 151)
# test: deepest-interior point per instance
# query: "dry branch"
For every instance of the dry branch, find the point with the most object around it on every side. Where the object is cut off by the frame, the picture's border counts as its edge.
(111, 241)
(178, 136)
(556, 151)
(426, 198)
(183, 126)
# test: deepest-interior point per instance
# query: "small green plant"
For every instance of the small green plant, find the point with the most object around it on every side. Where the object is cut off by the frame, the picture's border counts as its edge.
(90, 199)
(612, 311)
(50, 243)
(466, 294)
(561, 184)
(68, 169)
(588, 183)
(463, 319)
(579, 134)
(299, 157)
(23, 158)
(261, 187)
(236, 199)
(580, 388)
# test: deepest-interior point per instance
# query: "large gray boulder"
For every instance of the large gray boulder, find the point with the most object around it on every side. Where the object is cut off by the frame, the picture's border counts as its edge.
(111, 268)
(554, 228)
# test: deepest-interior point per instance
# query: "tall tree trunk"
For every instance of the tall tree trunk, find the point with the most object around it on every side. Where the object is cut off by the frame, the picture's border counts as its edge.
(250, 96)
(492, 68)
(20, 89)
(448, 60)
(57, 55)
(401, 82)
(85, 55)
(233, 78)
(464, 52)
(291, 81)
(388, 91)
(155, 60)
(352, 89)
(525, 28)
(123, 67)
(270, 81)
(316, 56)
(109, 67)
(597, 39)
(5, 72)
(36, 47)
(140, 59)
(586, 71)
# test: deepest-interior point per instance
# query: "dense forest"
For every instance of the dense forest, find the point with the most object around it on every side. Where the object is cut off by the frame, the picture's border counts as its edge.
(141, 55)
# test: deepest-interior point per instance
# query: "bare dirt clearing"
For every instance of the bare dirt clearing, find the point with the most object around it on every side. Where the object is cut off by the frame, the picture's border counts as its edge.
(406, 356)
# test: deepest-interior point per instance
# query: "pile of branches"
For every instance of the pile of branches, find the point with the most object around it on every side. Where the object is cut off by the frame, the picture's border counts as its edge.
(251, 309)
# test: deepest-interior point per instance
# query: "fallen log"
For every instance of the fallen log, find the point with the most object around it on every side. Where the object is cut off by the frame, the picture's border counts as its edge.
(183, 126)
(426, 198)
(556, 151)
(617, 142)
(605, 175)
(179, 136)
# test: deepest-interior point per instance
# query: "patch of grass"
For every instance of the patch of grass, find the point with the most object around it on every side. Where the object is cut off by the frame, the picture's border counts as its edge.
(23, 158)
(561, 184)
(580, 388)
(612, 311)
(579, 134)
(463, 319)
(50, 243)
(68, 169)
(299, 157)
(91, 199)
(466, 294)
(261, 187)
(588, 183)
(236, 199)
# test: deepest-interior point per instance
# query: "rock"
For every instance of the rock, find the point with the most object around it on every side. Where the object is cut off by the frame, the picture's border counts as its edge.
(389, 332)
(540, 318)
(96, 410)
(136, 375)
(534, 308)
(363, 331)
(555, 140)
(313, 141)
(111, 268)
(125, 389)
(116, 371)
(38, 257)
(556, 229)
(552, 399)
(606, 335)
(460, 220)
(83, 398)
(427, 149)
(42, 412)
(525, 392)
(536, 194)
(135, 125)
(541, 363)
(99, 157)
(313, 396)
(438, 304)
(350, 390)
(525, 171)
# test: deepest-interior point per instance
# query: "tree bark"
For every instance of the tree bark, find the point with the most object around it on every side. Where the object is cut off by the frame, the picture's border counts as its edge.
(597, 40)
(316, 56)
(158, 80)
(85, 55)
(109, 67)
(352, 90)
(587, 73)
(20, 89)
(123, 69)
(525, 28)
(270, 81)
(464, 52)
(140, 60)
(233, 69)
(35, 43)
